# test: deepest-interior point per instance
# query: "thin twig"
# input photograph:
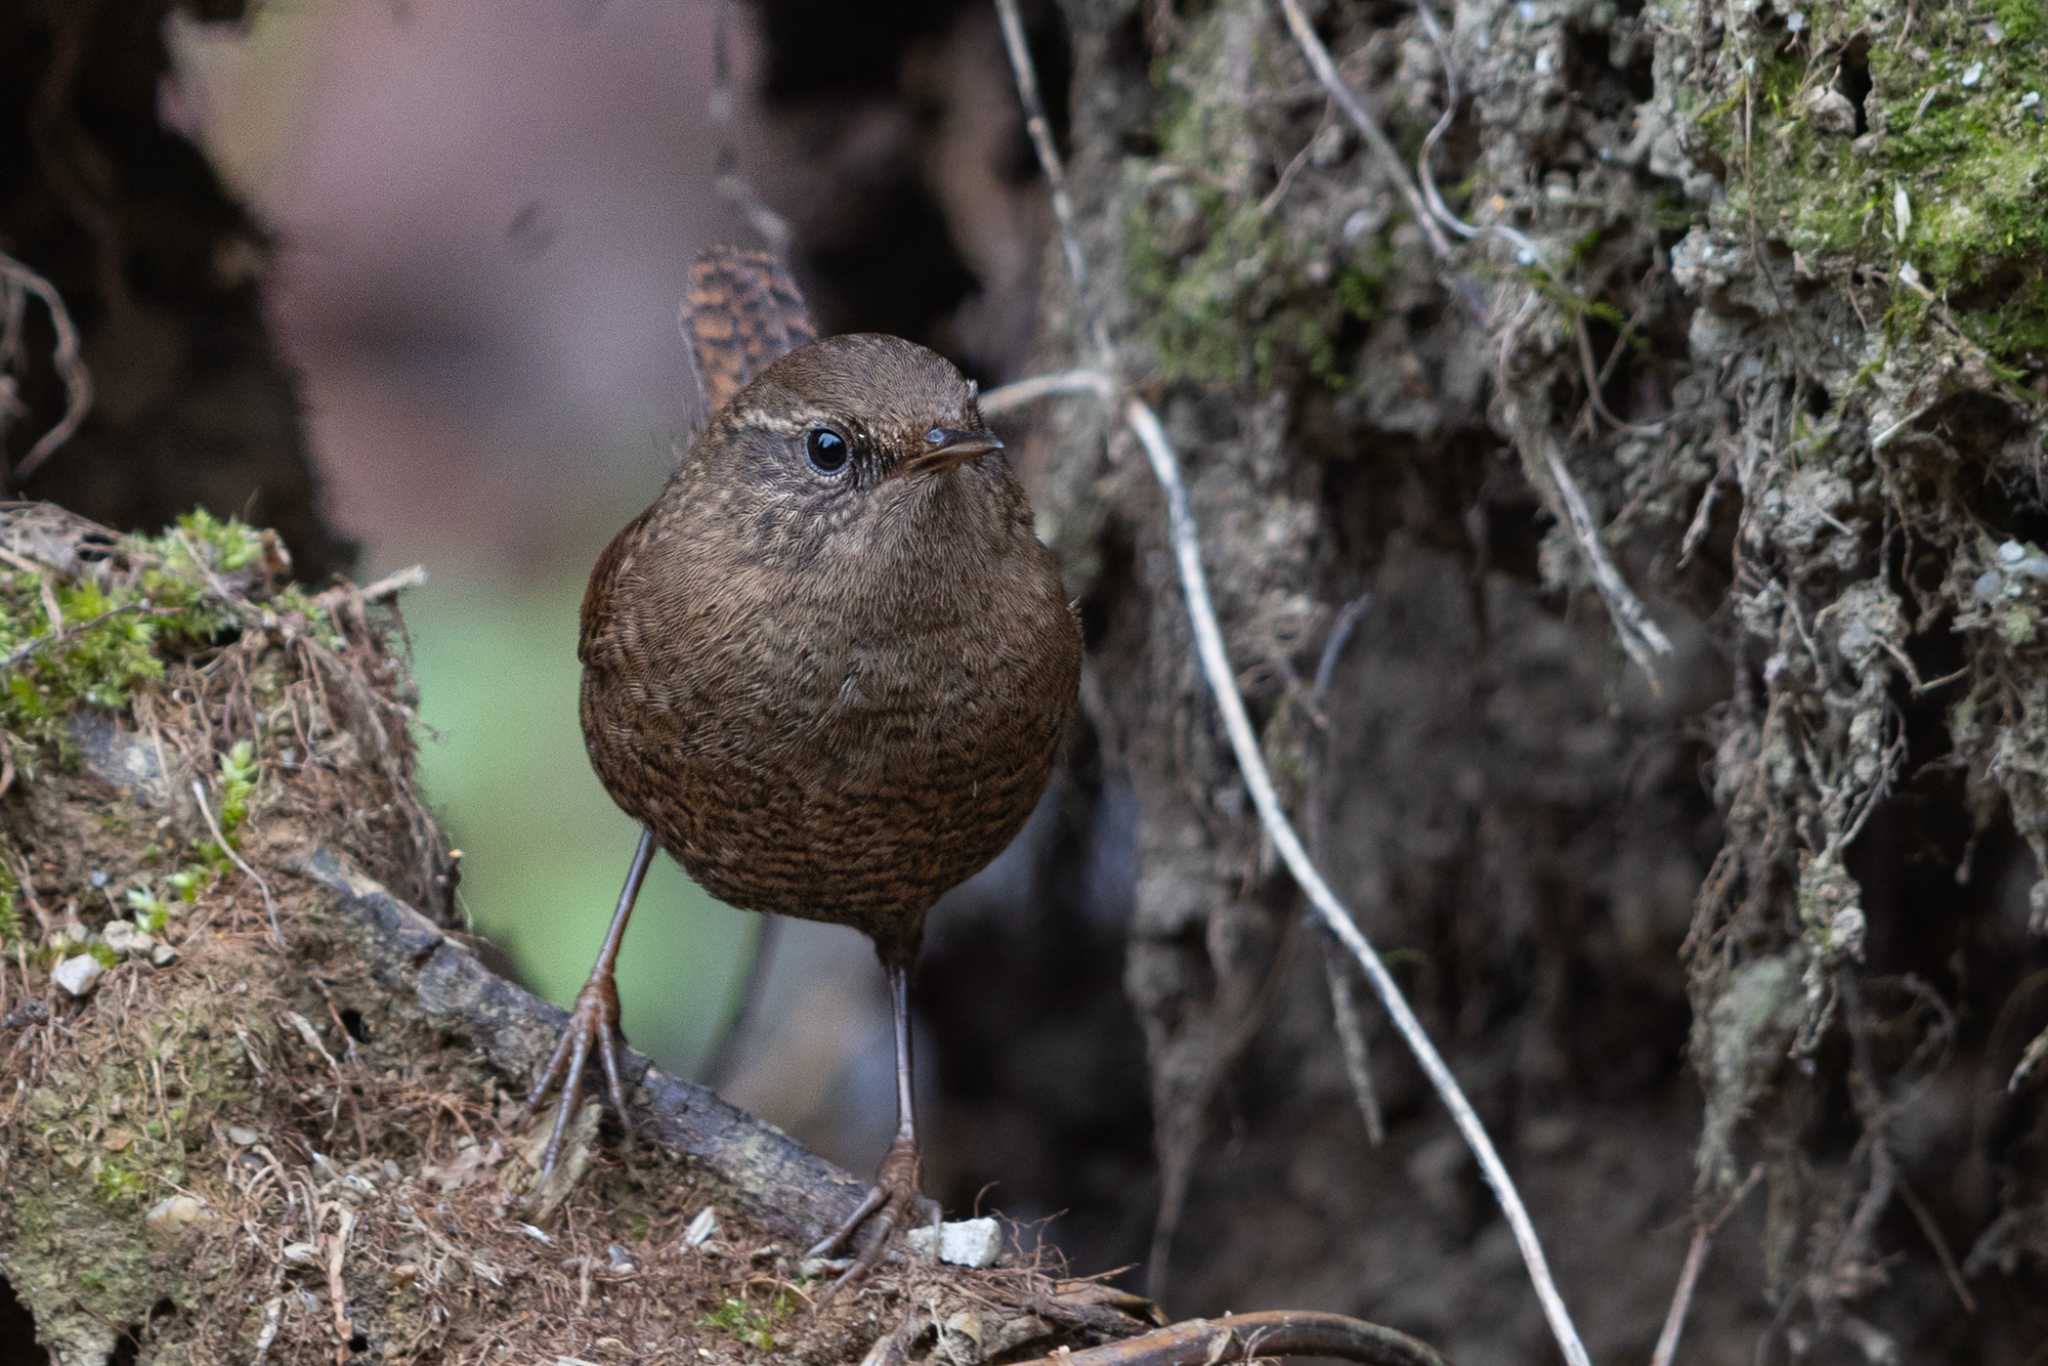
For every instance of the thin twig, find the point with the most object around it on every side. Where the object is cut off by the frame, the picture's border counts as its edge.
(1526, 250)
(1040, 129)
(337, 1290)
(1216, 666)
(1066, 383)
(1248, 1337)
(1221, 678)
(392, 584)
(1593, 379)
(1681, 1297)
(213, 828)
(1348, 617)
(772, 228)
(1392, 167)
(1351, 1038)
(1343, 985)
(1689, 1274)
(1639, 632)
(70, 368)
(1931, 1231)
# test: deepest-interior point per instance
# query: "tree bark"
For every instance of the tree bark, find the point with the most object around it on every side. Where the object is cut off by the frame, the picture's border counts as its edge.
(1736, 306)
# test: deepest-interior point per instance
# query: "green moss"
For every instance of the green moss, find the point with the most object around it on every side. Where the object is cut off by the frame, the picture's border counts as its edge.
(755, 1327)
(10, 912)
(294, 601)
(1226, 291)
(119, 1186)
(2024, 21)
(1969, 164)
(1240, 304)
(104, 657)
(106, 638)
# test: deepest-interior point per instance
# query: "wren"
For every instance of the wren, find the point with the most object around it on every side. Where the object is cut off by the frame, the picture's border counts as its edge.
(830, 668)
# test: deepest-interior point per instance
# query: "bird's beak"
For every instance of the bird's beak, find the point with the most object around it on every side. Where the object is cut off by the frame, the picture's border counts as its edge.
(948, 448)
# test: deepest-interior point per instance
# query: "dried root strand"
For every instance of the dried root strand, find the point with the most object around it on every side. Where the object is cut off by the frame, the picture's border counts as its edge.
(1244, 1337)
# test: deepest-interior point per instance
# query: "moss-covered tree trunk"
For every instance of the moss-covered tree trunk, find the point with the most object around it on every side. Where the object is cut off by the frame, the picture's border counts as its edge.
(1775, 301)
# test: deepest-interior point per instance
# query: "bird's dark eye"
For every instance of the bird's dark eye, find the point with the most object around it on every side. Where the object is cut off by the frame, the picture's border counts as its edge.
(826, 449)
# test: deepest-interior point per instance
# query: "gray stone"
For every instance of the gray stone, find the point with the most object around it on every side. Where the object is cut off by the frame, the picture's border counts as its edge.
(965, 1242)
(78, 974)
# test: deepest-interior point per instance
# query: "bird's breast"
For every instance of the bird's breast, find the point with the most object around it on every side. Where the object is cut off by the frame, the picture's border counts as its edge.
(815, 744)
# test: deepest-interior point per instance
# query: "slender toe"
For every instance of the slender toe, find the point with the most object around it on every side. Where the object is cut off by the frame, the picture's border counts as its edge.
(838, 1238)
(546, 1080)
(608, 1055)
(572, 1086)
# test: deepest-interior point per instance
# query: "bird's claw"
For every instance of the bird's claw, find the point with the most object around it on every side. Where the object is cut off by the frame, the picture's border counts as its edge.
(593, 1020)
(895, 1203)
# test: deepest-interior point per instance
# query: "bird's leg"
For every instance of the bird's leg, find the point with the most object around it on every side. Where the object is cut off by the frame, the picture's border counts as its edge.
(897, 1198)
(593, 1020)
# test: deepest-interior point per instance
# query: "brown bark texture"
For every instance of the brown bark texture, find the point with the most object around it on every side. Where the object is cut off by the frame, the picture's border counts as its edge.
(1763, 906)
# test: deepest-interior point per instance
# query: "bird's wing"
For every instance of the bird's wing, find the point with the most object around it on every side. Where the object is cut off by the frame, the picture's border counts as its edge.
(742, 311)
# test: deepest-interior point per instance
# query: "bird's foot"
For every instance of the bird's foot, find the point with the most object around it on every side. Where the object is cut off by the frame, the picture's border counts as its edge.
(593, 1023)
(893, 1205)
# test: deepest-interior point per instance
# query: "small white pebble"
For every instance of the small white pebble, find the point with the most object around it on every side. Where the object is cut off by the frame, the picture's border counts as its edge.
(964, 1242)
(2011, 552)
(162, 956)
(1973, 74)
(1987, 585)
(702, 1229)
(77, 975)
(1795, 22)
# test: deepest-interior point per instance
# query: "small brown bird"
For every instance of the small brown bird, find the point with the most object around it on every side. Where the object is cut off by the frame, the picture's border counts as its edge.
(829, 669)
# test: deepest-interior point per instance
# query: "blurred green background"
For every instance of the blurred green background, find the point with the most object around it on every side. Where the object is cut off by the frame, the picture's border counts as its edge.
(544, 849)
